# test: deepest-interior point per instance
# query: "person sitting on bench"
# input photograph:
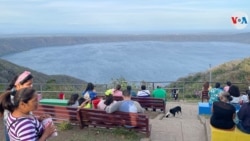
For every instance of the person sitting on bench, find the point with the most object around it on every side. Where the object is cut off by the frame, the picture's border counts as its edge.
(223, 112)
(126, 105)
(143, 92)
(244, 116)
(108, 100)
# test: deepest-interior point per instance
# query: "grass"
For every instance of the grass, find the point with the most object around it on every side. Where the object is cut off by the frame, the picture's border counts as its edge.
(92, 134)
(64, 126)
(97, 134)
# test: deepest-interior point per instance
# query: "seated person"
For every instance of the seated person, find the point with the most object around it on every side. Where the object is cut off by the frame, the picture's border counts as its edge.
(143, 92)
(89, 92)
(107, 101)
(244, 97)
(223, 113)
(117, 91)
(84, 103)
(226, 88)
(159, 93)
(244, 117)
(214, 93)
(73, 101)
(126, 105)
(234, 91)
(132, 93)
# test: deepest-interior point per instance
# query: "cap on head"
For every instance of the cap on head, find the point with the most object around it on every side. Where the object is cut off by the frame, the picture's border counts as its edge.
(109, 92)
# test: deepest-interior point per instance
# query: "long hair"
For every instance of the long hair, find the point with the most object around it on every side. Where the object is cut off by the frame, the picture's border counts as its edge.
(234, 91)
(118, 87)
(109, 99)
(12, 83)
(73, 99)
(5, 102)
(22, 95)
(90, 87)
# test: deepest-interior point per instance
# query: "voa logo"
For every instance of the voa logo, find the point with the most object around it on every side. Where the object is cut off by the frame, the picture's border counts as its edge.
(239, 20)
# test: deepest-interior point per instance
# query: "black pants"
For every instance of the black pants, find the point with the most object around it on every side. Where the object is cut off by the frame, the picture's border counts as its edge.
(175, 96)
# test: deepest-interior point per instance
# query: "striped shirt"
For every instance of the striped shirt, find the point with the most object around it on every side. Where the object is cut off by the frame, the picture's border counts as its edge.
(24, 128)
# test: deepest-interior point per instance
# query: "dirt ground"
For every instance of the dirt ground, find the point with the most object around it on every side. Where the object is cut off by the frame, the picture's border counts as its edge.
(95, 134)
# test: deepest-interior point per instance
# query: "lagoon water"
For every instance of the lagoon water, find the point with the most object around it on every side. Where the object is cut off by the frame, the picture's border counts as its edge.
(135, 61)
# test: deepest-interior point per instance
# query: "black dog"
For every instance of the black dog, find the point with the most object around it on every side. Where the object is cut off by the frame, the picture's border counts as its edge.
(173, 111)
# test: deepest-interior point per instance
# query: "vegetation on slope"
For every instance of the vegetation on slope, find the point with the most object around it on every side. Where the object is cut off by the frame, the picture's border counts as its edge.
(238, 72)
(9, 70)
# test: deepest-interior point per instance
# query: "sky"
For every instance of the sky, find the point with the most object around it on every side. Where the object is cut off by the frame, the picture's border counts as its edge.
(118, 16)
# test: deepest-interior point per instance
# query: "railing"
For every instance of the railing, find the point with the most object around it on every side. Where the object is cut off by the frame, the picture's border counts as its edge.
(187, 90)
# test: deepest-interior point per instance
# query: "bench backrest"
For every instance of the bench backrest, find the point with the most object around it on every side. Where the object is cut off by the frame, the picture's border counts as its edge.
(147, 102)
(150, 102)
(100, 118)
(58, 113)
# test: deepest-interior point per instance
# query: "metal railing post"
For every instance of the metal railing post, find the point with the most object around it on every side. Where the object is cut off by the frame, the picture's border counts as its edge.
(183, 87)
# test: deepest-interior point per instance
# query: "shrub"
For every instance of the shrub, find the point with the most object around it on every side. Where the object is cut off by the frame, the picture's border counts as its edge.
(65, 125)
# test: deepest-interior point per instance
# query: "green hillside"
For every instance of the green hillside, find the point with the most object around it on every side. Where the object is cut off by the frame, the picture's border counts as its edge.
(238, 72)
(9, 70)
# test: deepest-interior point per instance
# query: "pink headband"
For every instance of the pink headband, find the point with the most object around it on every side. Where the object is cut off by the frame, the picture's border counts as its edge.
(22, 76)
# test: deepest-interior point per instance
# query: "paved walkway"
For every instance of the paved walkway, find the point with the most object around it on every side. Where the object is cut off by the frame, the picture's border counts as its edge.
(185, 127)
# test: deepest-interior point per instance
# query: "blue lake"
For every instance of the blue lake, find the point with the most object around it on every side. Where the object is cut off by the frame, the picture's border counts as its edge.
(135, 61)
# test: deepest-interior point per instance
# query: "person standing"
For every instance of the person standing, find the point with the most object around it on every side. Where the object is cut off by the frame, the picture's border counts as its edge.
(21, 124)
(24, 80)
(175, 93)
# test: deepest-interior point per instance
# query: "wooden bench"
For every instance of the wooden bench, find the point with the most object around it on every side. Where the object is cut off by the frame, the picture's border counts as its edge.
(228, 135)
(58, 113)
(99, 118)
(147, 102)
(204, 95)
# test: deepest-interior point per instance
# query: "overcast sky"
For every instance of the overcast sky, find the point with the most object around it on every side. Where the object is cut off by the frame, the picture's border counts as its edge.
(118, 16)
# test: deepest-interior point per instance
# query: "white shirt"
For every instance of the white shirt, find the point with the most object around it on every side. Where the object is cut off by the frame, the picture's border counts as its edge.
(143, 93)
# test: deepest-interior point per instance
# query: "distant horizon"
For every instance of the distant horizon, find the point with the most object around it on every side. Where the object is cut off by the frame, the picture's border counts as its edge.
(106, 33)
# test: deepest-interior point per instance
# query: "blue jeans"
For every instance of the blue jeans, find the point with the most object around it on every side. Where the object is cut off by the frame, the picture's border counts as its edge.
(7, 138)
(241, 128)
